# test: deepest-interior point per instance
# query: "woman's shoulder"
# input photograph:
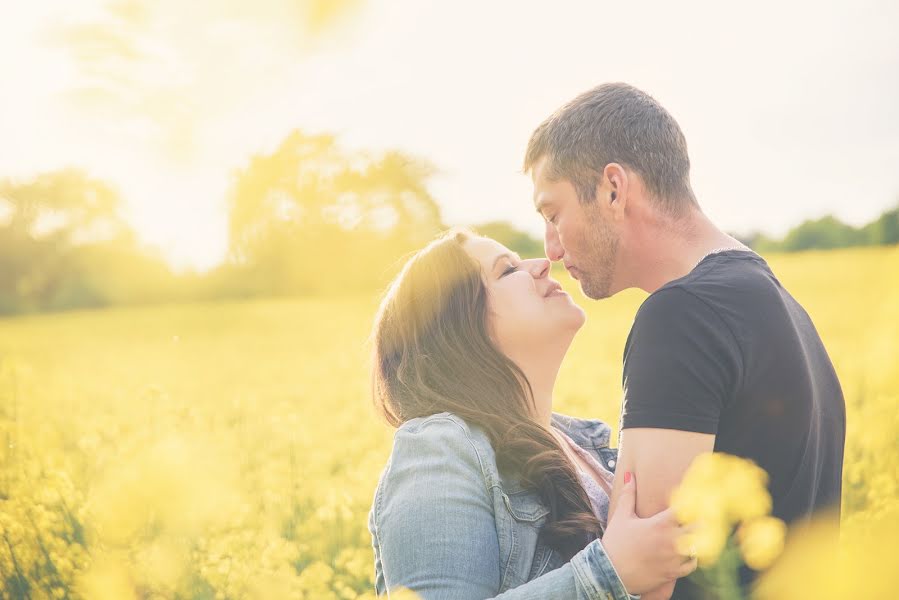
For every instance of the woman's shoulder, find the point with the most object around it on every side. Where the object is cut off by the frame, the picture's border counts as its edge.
(587, 433)
(443, 436)
(444, 424)
(436, 421)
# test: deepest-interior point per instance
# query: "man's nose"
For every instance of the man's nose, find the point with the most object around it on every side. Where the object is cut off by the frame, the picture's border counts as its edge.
(551, 244)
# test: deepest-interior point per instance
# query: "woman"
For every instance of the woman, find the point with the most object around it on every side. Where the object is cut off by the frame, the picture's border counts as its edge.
(487, 492)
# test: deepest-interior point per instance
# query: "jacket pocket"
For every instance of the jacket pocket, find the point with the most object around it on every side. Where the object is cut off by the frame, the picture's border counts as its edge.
(525, 506)
(528, 556)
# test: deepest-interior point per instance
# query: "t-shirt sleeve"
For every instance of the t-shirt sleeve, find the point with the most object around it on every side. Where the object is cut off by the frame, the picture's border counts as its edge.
(682, 364)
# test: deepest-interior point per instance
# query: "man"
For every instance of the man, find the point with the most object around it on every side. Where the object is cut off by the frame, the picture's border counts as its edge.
(720, 356)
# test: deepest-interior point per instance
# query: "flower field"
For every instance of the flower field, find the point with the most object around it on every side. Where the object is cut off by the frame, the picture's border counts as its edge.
(229, 450)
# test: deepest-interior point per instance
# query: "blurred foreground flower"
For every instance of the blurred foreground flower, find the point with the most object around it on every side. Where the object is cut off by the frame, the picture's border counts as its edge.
(761, 541)
(824, 563)
(107, 579)
(718, 493)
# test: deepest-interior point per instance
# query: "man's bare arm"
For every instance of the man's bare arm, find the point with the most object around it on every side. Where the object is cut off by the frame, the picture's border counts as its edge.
(658, 458)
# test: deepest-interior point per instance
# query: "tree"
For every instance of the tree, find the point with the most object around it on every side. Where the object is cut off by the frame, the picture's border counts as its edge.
(311, 217)
(827, 232)
(63, 244)
(884, 230)
(506, 234)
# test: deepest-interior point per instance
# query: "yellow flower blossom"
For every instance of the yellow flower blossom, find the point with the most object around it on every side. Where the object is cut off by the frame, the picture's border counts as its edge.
(761, 541)
(241, 462)
(717, 492)
(108, 579)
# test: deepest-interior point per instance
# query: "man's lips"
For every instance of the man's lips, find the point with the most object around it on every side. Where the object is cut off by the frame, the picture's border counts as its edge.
(572, 271)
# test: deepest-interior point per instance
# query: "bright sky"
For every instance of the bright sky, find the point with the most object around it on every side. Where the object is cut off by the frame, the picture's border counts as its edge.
(791, 109)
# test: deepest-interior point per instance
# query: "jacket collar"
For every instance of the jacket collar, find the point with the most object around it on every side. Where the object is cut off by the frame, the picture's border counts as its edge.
(586, 433)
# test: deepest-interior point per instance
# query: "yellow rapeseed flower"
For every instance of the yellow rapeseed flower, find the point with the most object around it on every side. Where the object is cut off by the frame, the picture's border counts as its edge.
(761, 541)
(717, 492)
(706, 541)
(107, 579)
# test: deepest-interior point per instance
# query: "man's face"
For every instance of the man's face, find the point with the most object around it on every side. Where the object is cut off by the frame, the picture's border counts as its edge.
(577, 234)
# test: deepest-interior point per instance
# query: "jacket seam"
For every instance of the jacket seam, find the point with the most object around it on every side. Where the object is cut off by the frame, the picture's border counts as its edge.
(477, 453)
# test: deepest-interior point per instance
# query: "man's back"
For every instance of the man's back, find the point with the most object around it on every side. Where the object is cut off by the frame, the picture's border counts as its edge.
(726, 350)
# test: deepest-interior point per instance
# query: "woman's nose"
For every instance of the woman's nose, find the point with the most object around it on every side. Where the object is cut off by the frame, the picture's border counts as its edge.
(539, 267)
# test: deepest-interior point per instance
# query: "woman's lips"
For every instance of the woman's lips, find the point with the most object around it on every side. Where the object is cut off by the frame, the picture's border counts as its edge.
(554, 289)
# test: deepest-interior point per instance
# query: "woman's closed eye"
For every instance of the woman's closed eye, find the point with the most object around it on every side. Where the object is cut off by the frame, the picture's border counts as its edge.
(509, 270)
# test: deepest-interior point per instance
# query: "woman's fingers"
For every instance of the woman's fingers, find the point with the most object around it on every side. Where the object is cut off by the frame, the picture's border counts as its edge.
(667, 517)
(687, 567)
(670, 531)
(688, 528)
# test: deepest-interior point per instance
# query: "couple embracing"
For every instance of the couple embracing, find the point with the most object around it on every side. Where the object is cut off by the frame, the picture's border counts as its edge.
(489, 493)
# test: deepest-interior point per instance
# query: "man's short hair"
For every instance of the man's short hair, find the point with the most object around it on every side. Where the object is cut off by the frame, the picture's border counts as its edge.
(615, 122)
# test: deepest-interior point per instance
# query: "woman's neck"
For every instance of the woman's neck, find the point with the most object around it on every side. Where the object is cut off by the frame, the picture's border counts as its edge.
(541, 370)
(540, 362)
(543, 400)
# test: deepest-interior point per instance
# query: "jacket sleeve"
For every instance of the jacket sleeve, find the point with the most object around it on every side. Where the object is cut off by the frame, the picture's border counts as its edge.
(434, 529)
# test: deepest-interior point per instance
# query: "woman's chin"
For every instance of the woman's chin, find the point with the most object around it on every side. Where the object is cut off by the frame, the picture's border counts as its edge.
(578, 316)
(572, 321)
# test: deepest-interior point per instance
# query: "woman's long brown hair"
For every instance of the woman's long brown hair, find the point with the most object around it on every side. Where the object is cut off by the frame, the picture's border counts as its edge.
(433, 353)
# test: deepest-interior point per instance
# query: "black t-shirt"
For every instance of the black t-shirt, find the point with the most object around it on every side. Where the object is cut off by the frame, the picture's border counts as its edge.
(727, 350)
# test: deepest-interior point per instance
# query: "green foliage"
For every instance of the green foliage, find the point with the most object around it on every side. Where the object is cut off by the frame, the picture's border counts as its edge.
(311, 217)
(510, 237)
(64, 245)
(308, 218)
(829, 232)
(885, 230)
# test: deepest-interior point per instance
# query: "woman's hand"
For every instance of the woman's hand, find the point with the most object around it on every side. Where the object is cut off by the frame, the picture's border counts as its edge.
(643, 550)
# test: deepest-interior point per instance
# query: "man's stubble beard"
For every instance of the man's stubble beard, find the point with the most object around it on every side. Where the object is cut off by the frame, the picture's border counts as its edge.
(601, 244)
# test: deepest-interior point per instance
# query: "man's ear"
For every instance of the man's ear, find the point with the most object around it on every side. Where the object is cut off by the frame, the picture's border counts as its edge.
(611, 193)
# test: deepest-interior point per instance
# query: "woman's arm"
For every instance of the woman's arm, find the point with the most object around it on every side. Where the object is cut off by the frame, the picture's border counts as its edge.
(435, 530)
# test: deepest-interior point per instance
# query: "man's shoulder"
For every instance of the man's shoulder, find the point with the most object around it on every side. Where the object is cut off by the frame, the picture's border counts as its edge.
(721, 285)
(706, 311)
(672, 304)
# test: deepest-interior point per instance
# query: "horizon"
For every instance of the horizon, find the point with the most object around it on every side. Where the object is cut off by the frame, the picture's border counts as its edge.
(817, 101)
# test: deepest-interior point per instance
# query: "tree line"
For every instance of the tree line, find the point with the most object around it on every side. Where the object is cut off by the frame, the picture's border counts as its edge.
(829, 232)
(308, 218)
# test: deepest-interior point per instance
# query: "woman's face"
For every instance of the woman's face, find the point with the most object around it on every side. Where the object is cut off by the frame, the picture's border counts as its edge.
(527, 307)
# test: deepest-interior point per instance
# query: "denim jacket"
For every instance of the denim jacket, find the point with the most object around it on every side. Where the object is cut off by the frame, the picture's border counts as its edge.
(447, 523)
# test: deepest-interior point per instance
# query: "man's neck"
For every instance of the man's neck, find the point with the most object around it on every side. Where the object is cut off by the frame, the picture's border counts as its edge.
(670, 250)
